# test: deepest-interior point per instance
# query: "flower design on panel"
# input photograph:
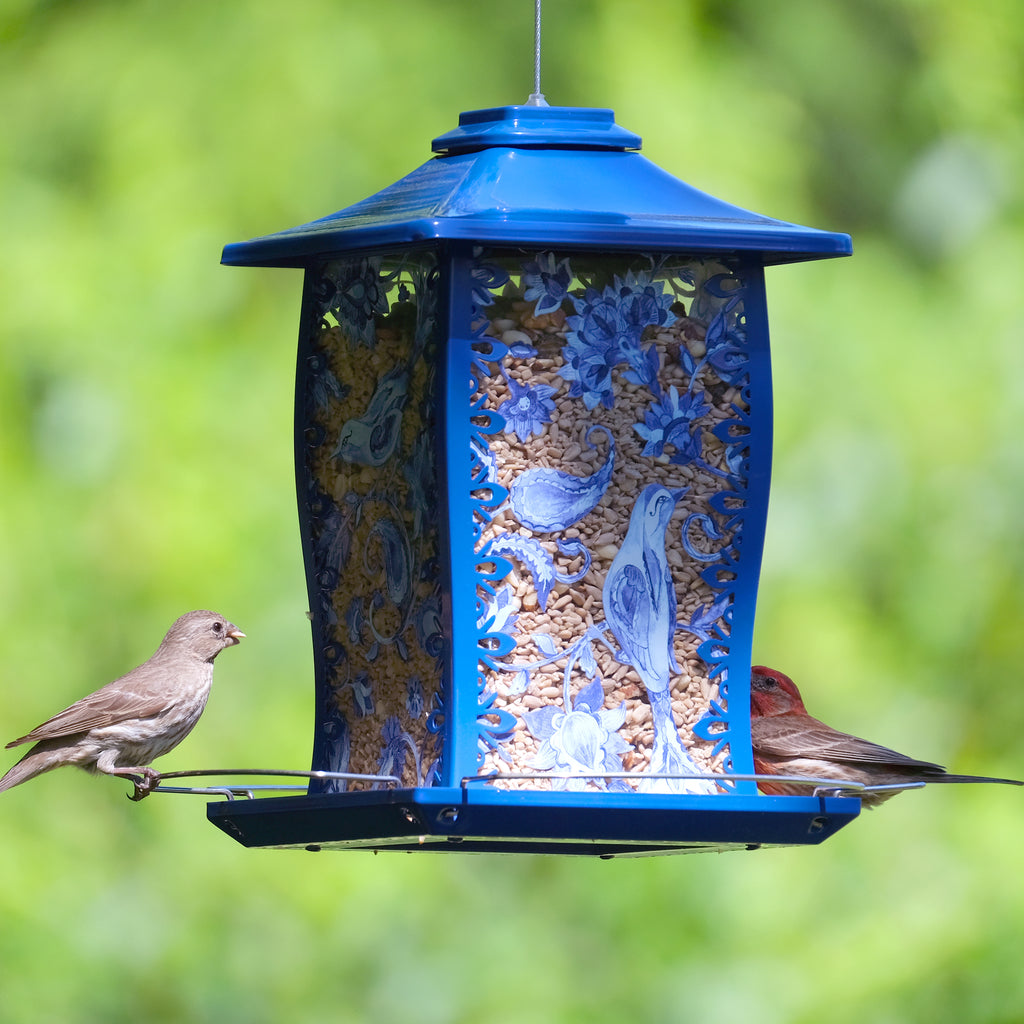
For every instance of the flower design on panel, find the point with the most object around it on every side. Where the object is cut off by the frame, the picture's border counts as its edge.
(367, 395)
(613, 399)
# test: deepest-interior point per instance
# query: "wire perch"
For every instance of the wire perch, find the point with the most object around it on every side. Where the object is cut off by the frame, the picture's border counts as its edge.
(143, 787)
(822, 787)
(154, 784)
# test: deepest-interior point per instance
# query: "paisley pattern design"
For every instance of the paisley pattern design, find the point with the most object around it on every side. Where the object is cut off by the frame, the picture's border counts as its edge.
(550, 501)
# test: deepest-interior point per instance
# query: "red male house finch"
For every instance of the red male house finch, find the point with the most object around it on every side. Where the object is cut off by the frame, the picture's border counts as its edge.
(126, 724)
(788, 741)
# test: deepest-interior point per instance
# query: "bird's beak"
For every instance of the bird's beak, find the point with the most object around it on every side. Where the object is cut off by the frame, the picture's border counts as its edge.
(236, 634)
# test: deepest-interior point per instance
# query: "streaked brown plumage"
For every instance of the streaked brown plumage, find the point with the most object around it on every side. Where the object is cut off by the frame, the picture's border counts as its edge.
(786, 740)
(123, 726)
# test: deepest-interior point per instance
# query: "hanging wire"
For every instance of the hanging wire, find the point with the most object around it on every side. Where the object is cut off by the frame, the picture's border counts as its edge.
(536, 97)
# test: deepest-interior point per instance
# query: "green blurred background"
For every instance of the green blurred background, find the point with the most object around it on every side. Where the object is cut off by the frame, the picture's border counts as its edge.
(145, 466)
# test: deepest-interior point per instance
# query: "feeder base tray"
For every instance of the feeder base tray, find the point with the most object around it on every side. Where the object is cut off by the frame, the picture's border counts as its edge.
(505, 821)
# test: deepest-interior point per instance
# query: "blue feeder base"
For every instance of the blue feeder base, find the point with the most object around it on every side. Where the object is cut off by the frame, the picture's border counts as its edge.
(502, 821)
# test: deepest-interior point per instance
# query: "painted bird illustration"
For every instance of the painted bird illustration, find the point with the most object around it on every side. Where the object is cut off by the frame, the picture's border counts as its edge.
(640, 608)
(371, 439)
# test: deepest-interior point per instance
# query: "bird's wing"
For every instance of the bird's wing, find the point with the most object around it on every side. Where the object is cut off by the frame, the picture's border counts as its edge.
(628, 608)
(800, 736)
(106, 706)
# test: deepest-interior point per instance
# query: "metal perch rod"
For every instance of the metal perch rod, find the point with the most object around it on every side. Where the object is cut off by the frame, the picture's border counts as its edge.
(822, 786)
(819, 787)
(248, 791)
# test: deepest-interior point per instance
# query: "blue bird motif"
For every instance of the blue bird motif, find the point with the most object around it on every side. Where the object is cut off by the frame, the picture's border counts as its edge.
(371, 439)
(640, 608)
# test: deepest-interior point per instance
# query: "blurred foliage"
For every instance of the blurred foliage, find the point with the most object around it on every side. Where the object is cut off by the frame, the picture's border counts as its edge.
(145, 459)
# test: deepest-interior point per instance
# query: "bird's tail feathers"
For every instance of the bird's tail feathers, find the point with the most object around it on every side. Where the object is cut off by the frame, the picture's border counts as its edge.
(975, 778)
(38, 760)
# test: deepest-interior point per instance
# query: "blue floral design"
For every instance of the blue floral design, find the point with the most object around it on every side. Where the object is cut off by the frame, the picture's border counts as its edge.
(527, 409)
(534, 556)
(726, 343)
(547, 282)
(360, 296)
(332, 546)
(362, 694)
(521, 350)
(520, 683)
(606, 330)
(585, 740)
(396, 742)
(323, 385)
(674, 421)
(414, 702)
(704, 618)
(643, 302)
(598, 316)
(644, 364)
(588, 368)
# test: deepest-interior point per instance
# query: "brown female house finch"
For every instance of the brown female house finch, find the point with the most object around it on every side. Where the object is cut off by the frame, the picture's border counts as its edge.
(788, 741)
(126, 724)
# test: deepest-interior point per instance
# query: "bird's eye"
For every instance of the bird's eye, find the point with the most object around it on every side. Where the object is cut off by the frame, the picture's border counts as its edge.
(218, 626)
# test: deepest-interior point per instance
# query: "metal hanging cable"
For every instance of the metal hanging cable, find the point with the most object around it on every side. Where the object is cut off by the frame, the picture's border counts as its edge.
(536, 98)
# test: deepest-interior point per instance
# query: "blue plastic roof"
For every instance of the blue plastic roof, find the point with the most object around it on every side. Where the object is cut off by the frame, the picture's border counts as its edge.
(545, 176)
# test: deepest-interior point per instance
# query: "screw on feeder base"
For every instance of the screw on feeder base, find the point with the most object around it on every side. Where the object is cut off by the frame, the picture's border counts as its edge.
(448, 816)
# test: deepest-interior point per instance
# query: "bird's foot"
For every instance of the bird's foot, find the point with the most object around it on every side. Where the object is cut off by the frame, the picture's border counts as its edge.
(143, 787)
(144, 783)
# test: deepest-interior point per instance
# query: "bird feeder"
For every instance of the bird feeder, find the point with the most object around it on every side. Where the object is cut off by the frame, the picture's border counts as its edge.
(533, 440)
